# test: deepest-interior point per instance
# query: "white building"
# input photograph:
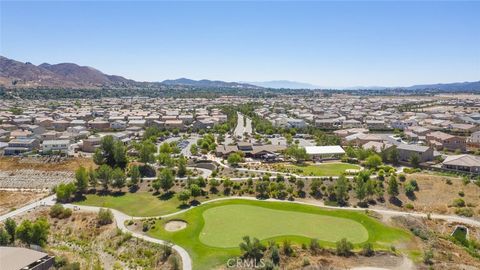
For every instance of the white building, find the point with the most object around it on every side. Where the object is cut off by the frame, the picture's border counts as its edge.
(329, 151)
(56, 146)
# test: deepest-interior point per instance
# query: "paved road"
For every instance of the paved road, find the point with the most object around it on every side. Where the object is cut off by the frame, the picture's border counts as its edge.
(50, 200)
(241, 129)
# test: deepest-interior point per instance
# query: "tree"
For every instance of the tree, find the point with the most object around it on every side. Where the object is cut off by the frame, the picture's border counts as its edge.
(4, 237)
(165, 148)
(92, 178)
(393, 155)
(146, 151)
(166, 160)
(296, 152)
(234, 158)
(195, 191)
(194, 149)
(11, 227)
(156, 185)
(360, 189)
(392, 186)
(182, 166)
(214, 183)
(166, 179)
(344, 247)
(40, 230)
(106, 147)
(184, 196)
(227, 185)
(118, 178)
(373, 161)
(252, 250)
(315, 188)
(81, 179)
(415, 160)
(98, 157)
(341, 190)
(120, 155)
(104, 175)
(262, 188)
(300, 184)
(135, 176)
(24, 231)
(64, 191)
(105, 216)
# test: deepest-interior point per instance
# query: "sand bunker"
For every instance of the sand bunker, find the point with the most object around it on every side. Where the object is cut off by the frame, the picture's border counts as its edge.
(175, 225)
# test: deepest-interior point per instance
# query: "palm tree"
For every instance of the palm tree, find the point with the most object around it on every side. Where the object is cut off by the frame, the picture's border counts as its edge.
(252, 249)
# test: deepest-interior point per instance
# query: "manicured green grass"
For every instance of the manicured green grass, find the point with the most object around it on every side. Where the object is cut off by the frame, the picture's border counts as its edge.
(215, 229)
(326, 169)
(250, 220)
(139, 204)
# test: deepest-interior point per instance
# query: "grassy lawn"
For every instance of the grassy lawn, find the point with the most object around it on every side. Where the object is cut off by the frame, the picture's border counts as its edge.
(140, 204)
(327, 169)
(215, 229)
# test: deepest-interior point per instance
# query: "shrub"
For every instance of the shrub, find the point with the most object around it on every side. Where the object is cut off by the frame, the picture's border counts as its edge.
(427, 257)
(458, 203)
(367, 250)
(105, 216)
(315, 246)
(467, 212)
(58, 211)
(344, 247)
(409, 206)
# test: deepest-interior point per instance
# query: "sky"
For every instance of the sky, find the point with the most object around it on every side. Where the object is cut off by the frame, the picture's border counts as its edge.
(331, 44)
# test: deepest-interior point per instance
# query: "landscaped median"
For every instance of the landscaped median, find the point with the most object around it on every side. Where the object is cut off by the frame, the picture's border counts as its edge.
(214, 230)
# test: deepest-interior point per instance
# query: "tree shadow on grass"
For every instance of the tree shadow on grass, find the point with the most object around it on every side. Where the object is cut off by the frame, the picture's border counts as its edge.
(194, 202)
(183, 206)
(166, 196)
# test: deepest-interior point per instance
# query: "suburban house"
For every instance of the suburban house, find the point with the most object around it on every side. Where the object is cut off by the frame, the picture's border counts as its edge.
(55, 146)
(406, 151)
(474, 139)
(14, 258)
(376, 124)
(440, 140)
(18, 146)
(267, 151)
(91, 144)
(463, 163)
(377, 146)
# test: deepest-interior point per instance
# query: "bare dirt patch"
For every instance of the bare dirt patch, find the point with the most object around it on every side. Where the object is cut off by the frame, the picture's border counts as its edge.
(175, 225)
(436, 195)
(44, 163)
(10, 200)
(80, 239)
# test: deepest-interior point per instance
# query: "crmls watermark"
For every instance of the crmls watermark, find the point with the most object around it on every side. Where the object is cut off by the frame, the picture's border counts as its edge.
(239, 263)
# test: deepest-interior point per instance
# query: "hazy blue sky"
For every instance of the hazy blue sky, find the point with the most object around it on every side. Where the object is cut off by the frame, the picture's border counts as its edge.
(323, 43)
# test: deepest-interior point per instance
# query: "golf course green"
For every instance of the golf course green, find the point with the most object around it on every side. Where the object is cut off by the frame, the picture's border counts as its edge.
(250, 220)
(215, 229)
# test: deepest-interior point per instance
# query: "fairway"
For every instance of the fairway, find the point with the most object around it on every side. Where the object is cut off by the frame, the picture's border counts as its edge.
(326, 169)
(140, 204)
(225, 225)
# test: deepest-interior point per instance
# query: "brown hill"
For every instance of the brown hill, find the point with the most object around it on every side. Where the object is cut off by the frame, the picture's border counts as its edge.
(15, 74)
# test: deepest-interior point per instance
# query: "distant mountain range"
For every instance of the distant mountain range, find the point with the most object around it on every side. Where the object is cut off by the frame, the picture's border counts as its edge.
(209, 83)
(458, 86)
(15, 74)
(280, 84)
